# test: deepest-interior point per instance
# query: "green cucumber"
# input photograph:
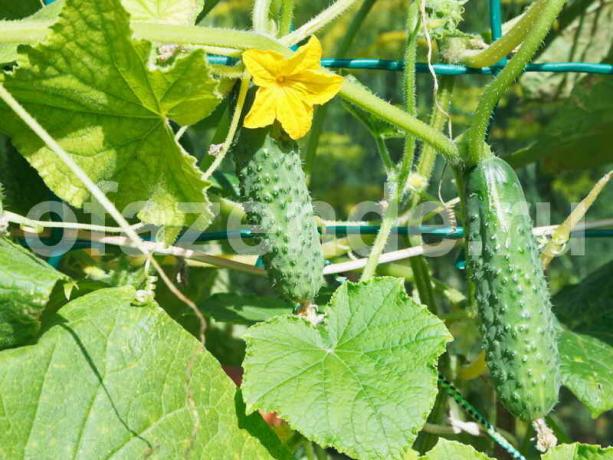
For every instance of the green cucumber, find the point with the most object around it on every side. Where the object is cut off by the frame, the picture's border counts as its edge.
(274, 186)
(511, 291)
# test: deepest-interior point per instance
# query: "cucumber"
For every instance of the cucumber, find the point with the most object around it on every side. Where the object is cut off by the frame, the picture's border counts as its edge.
(273, 184)
(517, 323)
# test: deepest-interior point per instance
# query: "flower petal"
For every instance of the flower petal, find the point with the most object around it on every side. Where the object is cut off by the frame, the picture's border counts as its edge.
(264, 66)
(294, 114)
(307, 57)
(316, 86)
(263, 110)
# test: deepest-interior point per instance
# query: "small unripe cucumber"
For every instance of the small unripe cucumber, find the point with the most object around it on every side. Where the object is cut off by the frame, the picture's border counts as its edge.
(511, 291)
(274, 186)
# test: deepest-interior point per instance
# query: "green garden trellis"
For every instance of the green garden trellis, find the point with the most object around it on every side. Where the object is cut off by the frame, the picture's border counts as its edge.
(495, 16)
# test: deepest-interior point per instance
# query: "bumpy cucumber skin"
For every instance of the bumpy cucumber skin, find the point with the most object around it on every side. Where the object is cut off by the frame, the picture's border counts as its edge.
(511, 291)
(274, 186)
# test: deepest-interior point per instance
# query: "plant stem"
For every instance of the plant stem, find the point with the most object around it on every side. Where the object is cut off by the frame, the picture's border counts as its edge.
(318, 22)
(440, 109)
(360, 96)
(238, 110)
(206, 36)
(410, 59)
(477, 132)
(287, 14)
(389, 219)
(507, 43)
(21, 220)
(24, 31)
(397, 177)
(261, 16)
(321, 113)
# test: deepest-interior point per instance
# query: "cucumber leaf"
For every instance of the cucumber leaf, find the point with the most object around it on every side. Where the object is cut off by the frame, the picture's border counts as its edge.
(26, 284)
(446, 450)
(98, 94)
(363, 381)
(579, 451)
(108, 379)
(165, 11)
(586, 339)
(244, 309)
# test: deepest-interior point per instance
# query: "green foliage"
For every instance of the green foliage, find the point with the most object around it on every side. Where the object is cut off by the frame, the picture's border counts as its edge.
(107, 378)
(26, 284)
(130, 373)
(579, 135)
(363, 381)
(586, 37)
(16, 174)
(164, 11)
(278, 203)
(10, 9)
(446, 450)
(579, 451)
(111, 112)
(244, 309)
(517, 324)
(586, 339)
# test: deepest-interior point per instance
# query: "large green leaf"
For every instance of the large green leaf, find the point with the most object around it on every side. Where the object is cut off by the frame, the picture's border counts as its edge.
(97, 92)
(578, 451)
(451, 450)
(586, 339)
(111, 380)
(166, 11)
(363, 381)
(26, 283)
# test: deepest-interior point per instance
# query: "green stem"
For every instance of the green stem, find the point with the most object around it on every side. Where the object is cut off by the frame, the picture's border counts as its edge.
(321, 113)
(389, 218)
(360, 96)
(238, 111)
(24, 31)
(384, 153)
(509, 41)
(261, 15)
(398, 176)
(440, 110)
(410, 59)
(287, 14)
(318, 22)
(206, 36)
(477, 132)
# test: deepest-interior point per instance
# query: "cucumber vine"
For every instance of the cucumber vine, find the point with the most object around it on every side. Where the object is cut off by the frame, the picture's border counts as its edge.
(212, 118)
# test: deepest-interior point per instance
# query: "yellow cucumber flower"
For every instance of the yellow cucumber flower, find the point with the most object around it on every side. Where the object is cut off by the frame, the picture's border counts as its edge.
(289, 87)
